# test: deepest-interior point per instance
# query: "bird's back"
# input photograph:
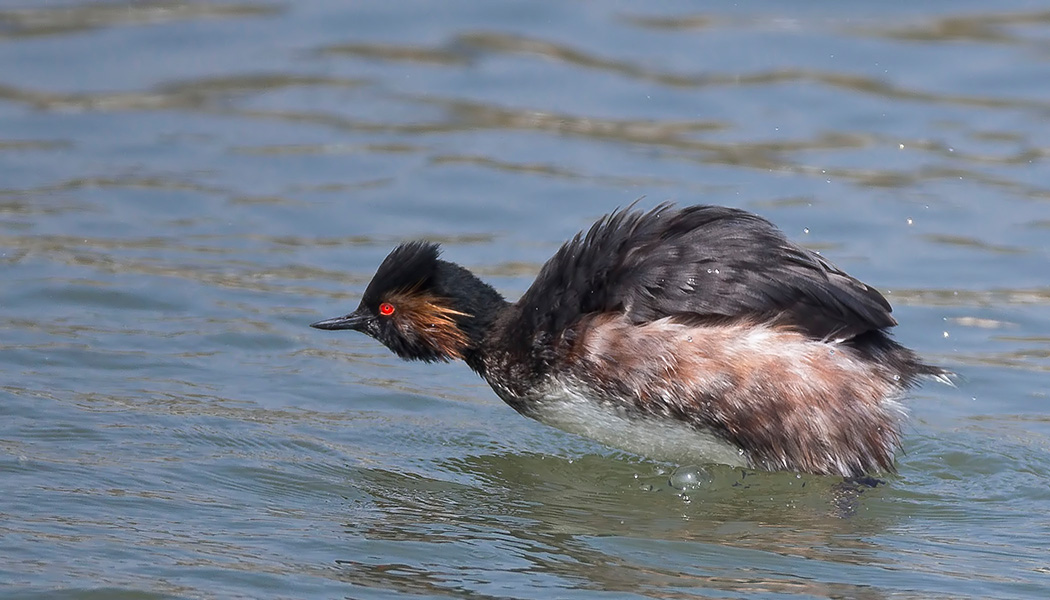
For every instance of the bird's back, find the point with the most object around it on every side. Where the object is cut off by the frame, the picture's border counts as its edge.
(700, 262)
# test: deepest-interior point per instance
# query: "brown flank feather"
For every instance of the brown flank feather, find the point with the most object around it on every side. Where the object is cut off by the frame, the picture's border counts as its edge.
(790, 402)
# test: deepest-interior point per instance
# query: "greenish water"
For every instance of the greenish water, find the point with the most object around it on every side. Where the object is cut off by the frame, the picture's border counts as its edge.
(184, 186)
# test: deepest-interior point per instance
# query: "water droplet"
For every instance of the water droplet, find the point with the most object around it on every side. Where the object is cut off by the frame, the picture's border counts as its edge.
(896, 377)
(689, 478)
(945, 334)
(645, 487)
(911, 222)
(805, 230)
(831, 351)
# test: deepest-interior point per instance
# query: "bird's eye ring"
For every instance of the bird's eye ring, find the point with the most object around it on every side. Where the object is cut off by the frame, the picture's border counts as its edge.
(386, 309)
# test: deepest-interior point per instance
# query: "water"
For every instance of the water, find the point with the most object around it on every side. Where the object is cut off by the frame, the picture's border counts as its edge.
(184, 186)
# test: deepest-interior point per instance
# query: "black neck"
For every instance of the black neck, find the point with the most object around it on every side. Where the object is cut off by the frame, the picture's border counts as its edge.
(478, 330)
(476, 298)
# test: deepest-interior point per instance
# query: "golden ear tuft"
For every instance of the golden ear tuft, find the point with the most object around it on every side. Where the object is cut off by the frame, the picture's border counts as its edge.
(431, 319)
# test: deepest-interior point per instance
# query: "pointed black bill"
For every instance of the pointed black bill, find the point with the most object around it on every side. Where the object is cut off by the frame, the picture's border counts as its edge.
(350, 321)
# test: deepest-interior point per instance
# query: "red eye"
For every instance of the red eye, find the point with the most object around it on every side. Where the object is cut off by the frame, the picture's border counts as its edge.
(386, 309)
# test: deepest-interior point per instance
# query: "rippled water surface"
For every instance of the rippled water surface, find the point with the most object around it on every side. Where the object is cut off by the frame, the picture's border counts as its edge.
(185, 185)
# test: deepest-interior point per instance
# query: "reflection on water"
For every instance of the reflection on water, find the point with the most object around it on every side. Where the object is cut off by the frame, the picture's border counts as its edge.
(554, 516)
(65, 20)
(193, 95)
(987, 28)
(184, 186)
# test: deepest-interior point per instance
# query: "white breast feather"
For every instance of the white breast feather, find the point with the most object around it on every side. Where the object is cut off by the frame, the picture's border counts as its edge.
(569, 408)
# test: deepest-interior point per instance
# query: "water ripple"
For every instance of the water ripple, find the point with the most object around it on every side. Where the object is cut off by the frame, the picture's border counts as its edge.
(65, 20)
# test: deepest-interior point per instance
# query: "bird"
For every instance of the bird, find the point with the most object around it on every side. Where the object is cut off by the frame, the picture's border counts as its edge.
(693, 335)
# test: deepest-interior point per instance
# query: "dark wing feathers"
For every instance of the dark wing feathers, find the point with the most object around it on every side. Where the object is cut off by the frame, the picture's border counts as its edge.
(701, 261)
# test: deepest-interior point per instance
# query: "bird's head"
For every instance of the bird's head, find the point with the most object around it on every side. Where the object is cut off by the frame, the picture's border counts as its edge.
(418, 306)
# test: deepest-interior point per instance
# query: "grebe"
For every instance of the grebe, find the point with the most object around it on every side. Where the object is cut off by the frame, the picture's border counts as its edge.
(688, 335)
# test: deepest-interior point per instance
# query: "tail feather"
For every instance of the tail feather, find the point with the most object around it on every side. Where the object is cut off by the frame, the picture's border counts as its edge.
(881, 348)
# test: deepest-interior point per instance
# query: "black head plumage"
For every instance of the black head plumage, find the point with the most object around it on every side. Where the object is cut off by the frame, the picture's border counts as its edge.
(409, 266)
(423, 308)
